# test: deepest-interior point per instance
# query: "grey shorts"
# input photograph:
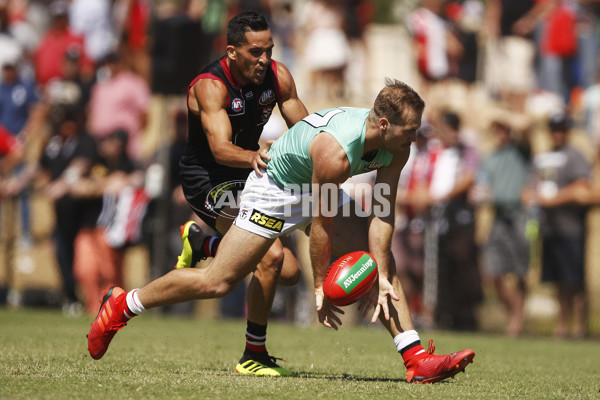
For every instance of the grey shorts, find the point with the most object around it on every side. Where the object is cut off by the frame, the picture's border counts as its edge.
(507, 249)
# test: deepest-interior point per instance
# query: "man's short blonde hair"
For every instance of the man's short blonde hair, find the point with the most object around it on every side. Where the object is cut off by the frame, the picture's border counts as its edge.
(397, 101)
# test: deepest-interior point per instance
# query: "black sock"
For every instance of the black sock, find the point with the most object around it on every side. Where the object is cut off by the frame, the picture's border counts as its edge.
(410, 346)
(256, 338)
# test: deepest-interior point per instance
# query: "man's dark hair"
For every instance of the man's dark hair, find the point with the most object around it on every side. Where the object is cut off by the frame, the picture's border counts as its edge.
(559, 122)
(244, 22)
(65, 112)
(451, 119)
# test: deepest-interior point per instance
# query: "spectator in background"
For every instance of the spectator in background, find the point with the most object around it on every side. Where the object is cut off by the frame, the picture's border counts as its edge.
(284, 30)
(131, 20)
(359, 14)
(119, 100)
(21, 115)
(92, 19)
(590, 106)
(213, 23)
(55, 44)
(110, 188)
(509, 26)
(560, 186)
(178, 209)
(24, 28)
(503, 175)
(558, 48)
(464, 24)
(326, 49)
(588, 13)
(175, 30)
(408, 244)
(260, 6)
(11, 153)
(19, 102)
(67, 157)
(73, 86)
(10, 48)
(434, 43)
(459, 286)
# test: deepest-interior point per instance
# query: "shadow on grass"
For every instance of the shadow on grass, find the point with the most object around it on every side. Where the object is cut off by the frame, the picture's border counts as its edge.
(315, 375)
(337, 377)
(305, 375)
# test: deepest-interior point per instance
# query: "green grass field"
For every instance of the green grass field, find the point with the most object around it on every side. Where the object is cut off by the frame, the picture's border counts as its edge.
(44, 355)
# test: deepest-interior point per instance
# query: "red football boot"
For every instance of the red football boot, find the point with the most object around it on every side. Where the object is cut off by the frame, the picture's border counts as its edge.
(111, 317)
(429, 368)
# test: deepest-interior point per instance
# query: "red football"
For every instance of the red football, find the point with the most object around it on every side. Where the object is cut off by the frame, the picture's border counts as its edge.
(349, 278)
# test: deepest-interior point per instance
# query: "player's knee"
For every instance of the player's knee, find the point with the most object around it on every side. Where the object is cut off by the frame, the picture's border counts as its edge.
(272, 261)
(290, 275)
(274, 258)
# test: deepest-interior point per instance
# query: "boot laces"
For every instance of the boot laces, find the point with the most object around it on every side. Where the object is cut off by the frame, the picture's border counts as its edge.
(274, 359)
(431, 347)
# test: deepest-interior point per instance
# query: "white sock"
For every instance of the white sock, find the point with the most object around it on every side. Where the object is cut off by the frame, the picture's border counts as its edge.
(405, 339)
(133, 303)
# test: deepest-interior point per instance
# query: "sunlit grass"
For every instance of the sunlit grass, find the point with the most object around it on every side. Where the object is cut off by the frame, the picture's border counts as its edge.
(44, 355)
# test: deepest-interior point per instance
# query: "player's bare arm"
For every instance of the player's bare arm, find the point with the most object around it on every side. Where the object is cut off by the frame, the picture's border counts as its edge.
(208, 99)
(381, 230)
(291, 107)
(330, 165)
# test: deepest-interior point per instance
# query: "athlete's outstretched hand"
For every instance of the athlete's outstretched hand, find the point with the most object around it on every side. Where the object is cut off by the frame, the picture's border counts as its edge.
(378, 298)
(327, 311)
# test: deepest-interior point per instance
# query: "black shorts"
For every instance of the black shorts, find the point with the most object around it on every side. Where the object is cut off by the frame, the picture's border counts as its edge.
(208, 193)
(563, 260)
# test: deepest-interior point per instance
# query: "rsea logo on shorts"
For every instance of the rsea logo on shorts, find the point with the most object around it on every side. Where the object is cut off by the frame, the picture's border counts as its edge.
(266, 221)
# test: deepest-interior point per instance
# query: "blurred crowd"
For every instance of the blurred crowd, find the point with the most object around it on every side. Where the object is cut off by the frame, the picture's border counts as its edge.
(519, 163)
(77, 124)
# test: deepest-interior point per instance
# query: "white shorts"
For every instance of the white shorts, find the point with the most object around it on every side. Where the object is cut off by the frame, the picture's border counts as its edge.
(270, 211)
